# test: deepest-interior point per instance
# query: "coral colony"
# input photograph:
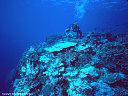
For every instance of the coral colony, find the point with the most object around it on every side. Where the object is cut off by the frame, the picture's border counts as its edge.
(73, 64)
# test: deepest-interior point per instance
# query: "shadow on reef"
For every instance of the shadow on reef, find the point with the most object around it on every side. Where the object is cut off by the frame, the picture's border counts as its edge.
(72, 64)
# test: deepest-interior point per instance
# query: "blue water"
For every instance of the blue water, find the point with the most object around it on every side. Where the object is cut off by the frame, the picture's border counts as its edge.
(26, 22)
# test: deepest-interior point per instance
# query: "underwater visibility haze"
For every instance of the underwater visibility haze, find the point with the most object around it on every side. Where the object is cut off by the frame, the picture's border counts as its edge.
(64, 47)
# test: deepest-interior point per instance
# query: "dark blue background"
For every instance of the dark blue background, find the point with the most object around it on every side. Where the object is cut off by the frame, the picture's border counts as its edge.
(26, 22)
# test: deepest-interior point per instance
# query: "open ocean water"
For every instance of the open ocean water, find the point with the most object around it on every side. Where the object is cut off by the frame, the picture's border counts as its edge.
(24, 23)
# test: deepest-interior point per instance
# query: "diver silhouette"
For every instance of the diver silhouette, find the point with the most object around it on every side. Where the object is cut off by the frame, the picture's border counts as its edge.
(74, 28)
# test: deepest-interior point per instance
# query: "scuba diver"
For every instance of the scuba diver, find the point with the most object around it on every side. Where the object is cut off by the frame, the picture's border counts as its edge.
(74, 31)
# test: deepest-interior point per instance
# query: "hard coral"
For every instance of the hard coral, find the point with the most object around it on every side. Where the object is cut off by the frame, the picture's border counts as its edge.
(94, 65)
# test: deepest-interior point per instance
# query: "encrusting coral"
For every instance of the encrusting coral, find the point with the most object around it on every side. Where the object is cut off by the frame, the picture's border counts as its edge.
(92, 65)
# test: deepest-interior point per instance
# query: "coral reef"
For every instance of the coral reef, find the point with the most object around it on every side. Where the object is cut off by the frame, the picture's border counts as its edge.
(91, 65)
